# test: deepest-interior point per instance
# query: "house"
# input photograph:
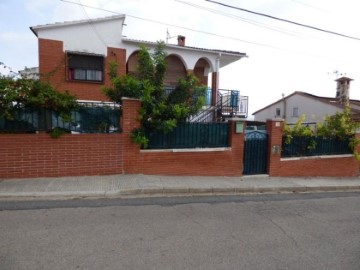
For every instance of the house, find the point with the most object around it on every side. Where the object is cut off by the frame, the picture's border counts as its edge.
(315, 108)
(30, 73)
(75, 56)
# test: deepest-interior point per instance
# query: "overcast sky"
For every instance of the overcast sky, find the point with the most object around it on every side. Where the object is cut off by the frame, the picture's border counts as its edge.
(282, 57)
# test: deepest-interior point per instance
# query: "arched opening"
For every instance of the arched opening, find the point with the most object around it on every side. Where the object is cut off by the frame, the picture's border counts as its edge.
(131, 65)
(175, 70)
(201, 71)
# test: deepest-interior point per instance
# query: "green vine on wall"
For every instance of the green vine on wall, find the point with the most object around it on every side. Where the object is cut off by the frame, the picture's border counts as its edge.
(17, 93)
(340, 126)
(159, 112)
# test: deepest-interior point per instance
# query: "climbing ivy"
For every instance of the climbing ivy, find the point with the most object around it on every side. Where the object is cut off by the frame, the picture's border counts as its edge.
(159, 112)
(17, 93)
(340, 126)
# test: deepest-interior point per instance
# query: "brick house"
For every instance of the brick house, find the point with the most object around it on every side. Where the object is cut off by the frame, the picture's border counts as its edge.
(75, 56)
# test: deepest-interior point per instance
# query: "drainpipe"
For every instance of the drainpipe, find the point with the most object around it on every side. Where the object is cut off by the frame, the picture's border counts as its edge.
(284, 104)
(217, 69)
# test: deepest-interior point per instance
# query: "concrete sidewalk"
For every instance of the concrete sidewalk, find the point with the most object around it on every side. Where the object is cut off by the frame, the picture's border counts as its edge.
(153, 185)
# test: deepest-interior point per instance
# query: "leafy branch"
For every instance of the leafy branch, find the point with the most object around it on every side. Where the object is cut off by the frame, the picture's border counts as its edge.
(159, 112)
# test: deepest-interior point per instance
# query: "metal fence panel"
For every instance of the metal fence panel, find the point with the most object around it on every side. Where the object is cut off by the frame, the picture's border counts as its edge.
(89, 118)
(301, 146)
(191, 135)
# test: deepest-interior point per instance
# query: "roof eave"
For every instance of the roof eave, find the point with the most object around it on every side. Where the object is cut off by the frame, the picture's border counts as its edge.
(35, 29)
(236, 54)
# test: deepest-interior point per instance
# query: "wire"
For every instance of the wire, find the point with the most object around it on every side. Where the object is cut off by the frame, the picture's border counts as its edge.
(283, 20)
(92, 24)
(173, 25)
(204, 32)
(259, 24)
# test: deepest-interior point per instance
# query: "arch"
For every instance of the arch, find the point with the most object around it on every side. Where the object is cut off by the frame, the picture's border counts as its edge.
(175, 69)
(132, 62)
(201, 71)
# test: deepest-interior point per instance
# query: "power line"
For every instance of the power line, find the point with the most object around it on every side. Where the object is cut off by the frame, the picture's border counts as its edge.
(91, 24)
(201, 32)
(283, 20)
(259, 24)
(174, 25)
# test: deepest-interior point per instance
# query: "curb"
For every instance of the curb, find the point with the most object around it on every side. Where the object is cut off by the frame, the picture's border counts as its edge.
(164, 192)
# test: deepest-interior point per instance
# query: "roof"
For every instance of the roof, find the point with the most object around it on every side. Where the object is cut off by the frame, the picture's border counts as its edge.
(326, 100)
(233, 53)
(35, 29)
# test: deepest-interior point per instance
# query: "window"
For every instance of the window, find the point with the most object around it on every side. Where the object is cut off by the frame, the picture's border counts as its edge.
(278, 112)
(295, 112)
(85, 67)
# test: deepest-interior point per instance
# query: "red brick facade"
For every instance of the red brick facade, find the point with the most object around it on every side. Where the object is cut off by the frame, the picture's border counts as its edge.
(52, 68)
(38, 155)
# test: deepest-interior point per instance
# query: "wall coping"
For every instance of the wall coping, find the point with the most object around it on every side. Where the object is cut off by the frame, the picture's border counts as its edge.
(186, 150)
(316, 157)
(129, 98)
(276, 119)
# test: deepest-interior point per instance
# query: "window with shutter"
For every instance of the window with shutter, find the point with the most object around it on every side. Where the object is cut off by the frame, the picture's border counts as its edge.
(85, 67)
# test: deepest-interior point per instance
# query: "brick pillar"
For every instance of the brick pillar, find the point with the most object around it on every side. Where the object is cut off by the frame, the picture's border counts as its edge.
(274, 129)
(357, 136)
(236, 142)
(129, 121)
(51, 61)
(214, 87)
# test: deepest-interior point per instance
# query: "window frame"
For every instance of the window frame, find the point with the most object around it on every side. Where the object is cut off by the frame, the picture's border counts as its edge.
(277, 112)
(90, 72)
(295, 112)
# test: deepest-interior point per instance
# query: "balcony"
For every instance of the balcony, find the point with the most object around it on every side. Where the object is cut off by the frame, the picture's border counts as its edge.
(229, 104)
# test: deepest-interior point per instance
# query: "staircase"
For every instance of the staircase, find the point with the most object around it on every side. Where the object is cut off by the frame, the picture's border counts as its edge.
(229, 104)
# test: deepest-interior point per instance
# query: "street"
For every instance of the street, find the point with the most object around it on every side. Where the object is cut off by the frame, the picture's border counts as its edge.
(289, 231)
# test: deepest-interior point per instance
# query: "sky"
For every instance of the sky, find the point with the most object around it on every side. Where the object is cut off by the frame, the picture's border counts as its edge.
(282, 57)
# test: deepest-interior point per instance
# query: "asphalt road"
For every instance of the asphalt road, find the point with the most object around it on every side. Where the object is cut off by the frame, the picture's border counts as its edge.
(293, 231)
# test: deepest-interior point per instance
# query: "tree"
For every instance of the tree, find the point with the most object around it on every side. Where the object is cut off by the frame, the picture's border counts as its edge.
(23, 93)
(27, 93)
(159, 112)
(340, 126)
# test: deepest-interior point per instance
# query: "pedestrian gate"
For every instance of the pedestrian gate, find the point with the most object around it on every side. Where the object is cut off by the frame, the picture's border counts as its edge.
(255, 152)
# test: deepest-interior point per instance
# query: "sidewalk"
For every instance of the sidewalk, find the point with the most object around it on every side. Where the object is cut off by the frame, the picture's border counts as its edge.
(152, 185)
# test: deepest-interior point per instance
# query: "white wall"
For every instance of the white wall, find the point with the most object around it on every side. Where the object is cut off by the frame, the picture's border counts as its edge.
(314, 111)
(90, 37)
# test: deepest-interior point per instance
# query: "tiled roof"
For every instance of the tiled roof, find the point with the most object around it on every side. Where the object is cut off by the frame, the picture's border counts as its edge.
(188, 47)
(328, 100)
(59, 24)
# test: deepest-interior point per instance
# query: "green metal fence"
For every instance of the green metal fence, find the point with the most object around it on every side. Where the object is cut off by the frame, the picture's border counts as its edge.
(191, 135)
(91, 117)
(315, 146)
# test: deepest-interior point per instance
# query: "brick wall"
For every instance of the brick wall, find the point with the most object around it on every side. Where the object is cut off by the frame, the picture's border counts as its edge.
(333, 166)
(166, 162)
(52, 68)
(38, 155)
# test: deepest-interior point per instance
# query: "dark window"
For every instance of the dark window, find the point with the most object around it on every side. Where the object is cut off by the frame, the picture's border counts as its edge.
(295, 112)
(84, 67)
(278, 111)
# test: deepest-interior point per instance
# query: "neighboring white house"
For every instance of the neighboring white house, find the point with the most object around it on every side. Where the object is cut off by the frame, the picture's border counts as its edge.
(30, 73)
(315, 108)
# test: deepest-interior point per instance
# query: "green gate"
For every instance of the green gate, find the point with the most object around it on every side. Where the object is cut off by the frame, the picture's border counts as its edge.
(255, 152)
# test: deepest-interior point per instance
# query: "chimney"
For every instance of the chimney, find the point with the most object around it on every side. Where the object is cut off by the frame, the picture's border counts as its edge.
(181, 40)
(342, 90)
